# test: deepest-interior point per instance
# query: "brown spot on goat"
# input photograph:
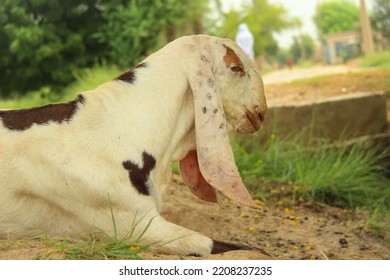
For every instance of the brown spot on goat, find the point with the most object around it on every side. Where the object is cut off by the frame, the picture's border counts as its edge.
(129, 76)
(233, 62)
(139, 176)
(23, 119)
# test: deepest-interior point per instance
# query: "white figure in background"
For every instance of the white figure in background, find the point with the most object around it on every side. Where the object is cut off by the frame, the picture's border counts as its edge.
(244, 39)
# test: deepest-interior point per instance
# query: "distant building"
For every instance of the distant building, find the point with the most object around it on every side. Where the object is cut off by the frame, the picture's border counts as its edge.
(342, 46)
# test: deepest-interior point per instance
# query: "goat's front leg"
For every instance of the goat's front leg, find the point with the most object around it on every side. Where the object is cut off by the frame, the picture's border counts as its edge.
(170, 238)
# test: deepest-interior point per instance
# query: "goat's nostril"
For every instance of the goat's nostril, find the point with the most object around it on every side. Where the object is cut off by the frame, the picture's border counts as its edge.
(261, 117)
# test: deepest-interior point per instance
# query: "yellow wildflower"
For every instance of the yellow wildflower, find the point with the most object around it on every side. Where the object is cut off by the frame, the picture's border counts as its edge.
(293, 223)
(135, 248)
(259, 202)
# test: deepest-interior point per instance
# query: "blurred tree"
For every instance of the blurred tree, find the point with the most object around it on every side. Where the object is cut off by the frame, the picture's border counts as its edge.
(381, 17)
(190, 21)
(43, 42)
(337, 15)
(263, 19)
(134, 26)
(307, 42)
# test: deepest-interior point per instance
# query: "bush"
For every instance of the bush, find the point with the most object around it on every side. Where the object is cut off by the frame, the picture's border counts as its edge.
(43, 42)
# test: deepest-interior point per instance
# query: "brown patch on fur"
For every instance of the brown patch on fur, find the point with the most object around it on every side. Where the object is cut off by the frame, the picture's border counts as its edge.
(139, 176)
(129, 76)
(233, 62)
(23, 119)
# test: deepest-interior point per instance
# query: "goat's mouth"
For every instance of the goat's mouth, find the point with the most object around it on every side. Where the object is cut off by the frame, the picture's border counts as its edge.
(251, 121)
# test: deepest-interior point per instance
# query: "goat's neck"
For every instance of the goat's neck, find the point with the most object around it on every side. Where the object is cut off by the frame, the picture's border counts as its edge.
(155, 113)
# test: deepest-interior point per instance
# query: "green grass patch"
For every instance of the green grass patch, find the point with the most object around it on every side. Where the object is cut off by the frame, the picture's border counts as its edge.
(90, 78)
(343, 176)
(378, 59)
(90, 249)
(40, 97)
(86, 79)
(305, 64)
(95, 247)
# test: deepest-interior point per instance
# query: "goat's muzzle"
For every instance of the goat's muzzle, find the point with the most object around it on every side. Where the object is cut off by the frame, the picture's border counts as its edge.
(255, 117)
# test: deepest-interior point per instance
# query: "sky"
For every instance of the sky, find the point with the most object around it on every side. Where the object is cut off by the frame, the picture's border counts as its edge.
(303, 9)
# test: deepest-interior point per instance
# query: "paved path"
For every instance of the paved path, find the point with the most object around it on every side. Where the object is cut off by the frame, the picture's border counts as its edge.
(288, 75)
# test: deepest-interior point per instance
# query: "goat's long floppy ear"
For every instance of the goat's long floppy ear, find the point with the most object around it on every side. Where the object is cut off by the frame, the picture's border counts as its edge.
(215, 155)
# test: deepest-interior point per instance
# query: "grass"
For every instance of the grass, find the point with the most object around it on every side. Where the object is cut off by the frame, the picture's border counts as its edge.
(93, 248)
(346, 176)
(85, 80)
(305, 64)
(90, 78)
(90, 249)
(378, 59)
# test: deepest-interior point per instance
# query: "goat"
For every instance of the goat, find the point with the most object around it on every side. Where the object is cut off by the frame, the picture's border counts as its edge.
(67, 169)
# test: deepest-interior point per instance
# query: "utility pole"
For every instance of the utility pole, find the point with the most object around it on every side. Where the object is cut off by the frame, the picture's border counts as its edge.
(367, 41)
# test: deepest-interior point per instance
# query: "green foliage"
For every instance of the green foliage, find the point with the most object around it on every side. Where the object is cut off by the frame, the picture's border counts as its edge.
(43, 42)
(134, 26)
(344, 176)
(379, 59)
(336, 16)
(308, 45)
(263, 19)
(381, 17)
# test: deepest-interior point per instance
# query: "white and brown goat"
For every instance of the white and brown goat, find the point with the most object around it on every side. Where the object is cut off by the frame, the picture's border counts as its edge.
(65, 169)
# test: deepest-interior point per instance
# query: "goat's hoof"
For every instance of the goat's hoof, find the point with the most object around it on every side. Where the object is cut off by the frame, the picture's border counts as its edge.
(222, 247)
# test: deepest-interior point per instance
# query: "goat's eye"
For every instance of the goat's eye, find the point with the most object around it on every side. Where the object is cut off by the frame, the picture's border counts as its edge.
(236, 69)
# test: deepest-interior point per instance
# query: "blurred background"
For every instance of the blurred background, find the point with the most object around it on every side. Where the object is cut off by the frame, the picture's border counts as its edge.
(47, 45)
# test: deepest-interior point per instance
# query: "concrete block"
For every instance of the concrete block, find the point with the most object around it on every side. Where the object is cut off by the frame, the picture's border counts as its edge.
(335, 118)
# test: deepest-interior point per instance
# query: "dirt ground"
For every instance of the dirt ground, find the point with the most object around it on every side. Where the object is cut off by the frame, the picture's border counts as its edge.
(306, 230)
(303, 230)
(313, 89)
(285, 230)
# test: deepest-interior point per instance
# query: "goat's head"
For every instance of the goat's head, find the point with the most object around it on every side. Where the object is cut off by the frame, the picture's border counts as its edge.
(228, 95)
(241, 88)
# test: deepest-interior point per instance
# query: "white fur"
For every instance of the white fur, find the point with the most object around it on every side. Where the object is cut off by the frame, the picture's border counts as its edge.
(63, 178)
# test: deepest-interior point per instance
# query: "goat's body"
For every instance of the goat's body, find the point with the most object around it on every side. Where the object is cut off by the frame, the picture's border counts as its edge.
(75, 175)
(61, 178)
